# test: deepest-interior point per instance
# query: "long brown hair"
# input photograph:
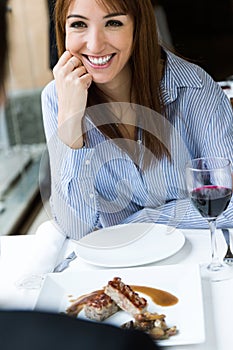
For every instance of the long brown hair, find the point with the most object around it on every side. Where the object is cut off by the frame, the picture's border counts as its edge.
(146, 63)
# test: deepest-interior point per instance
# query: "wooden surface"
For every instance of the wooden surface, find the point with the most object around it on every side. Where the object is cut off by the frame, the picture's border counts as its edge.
(29, 44)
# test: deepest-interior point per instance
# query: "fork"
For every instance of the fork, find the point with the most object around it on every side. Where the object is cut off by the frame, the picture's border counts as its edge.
(228, 258)
(65, 263)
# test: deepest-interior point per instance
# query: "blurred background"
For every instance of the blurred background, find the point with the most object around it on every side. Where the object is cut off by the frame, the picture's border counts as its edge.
(22, 140)
(201, 31)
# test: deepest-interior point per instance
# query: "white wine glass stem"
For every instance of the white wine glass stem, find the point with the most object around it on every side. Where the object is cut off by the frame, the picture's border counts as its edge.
(215, 264)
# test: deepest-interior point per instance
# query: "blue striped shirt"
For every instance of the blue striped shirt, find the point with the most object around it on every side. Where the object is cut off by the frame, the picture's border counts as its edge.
(99, 185)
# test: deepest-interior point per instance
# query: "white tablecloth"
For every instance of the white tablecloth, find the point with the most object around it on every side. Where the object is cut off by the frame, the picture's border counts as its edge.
(217, 296)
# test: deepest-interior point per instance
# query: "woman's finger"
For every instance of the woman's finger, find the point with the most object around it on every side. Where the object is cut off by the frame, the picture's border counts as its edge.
(79, 71)
(86, 80)
(67, 61)
(75, 62)
(64, 58)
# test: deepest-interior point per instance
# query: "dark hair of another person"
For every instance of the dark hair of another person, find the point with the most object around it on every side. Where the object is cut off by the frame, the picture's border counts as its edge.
(3, 44)
(146, 64)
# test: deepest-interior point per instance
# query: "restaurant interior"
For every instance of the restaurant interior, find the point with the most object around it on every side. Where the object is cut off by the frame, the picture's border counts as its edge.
(201, 31)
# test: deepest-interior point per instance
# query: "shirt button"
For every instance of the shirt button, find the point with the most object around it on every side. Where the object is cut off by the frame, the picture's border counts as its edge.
(139, 142)
(87, 162)
(91, 195)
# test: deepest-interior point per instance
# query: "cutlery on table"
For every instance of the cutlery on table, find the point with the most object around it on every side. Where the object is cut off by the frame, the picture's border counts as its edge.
(228, 258)
(34, 281)
(65, 263)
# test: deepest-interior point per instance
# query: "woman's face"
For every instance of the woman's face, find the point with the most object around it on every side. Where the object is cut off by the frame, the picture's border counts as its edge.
(101, 39)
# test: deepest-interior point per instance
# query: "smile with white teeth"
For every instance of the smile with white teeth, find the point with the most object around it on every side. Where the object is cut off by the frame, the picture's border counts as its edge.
(99, 61)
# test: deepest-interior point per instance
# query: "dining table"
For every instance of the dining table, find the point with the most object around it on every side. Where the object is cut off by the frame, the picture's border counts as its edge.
(217, 296)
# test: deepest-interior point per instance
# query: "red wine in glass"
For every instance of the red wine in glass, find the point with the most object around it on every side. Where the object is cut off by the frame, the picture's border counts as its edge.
(209, 183)
(211, 201)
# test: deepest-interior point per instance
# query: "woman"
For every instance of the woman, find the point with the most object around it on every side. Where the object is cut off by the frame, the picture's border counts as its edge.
(122, 117)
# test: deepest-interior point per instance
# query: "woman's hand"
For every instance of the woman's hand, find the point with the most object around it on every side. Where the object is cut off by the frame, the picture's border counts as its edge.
(72, 83)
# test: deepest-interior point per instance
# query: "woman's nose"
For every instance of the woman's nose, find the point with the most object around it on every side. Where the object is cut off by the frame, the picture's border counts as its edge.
(95, 41)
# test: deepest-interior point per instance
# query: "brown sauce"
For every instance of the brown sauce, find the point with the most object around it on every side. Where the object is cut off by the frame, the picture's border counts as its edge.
(158, 296)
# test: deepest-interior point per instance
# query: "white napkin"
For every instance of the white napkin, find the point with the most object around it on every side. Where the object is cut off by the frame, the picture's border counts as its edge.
(45, 250)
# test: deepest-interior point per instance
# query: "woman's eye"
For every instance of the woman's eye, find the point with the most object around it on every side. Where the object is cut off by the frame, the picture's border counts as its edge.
(114, 23)
(78, 24)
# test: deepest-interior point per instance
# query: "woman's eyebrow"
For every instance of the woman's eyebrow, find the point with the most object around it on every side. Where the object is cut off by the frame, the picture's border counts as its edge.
(115, 14)
(76, 16)
(107, 16)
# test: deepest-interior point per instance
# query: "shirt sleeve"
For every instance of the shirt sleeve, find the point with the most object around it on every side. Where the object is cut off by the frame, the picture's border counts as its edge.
(179, 213)
(73, 197)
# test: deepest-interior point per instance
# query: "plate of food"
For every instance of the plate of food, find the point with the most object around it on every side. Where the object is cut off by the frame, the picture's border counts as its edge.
(130, 245)
(154, 299)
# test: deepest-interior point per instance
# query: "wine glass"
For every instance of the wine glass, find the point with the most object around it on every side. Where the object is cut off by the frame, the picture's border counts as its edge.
(209, 183)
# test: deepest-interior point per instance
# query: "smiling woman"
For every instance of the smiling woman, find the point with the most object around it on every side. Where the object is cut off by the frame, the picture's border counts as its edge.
(116, 39)
(122, 118)
(103, 43)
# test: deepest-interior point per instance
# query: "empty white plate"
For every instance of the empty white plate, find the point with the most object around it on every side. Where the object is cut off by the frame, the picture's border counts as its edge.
(130, 244)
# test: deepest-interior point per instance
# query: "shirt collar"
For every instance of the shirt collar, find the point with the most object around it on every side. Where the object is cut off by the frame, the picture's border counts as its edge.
(178, 73)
